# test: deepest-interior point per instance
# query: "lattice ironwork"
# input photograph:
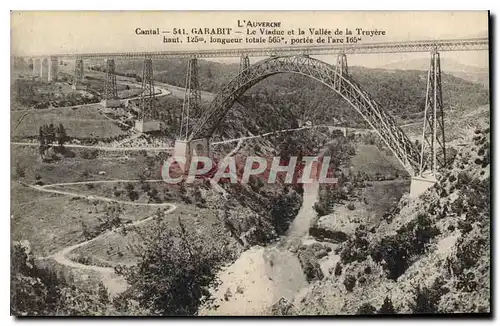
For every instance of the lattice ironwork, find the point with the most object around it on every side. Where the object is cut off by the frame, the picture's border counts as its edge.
(464, 44)
(147, 101)
(383, 124)
(340, 70)
(192, 99)
(110, 91)
(78, 73)
(433, 151)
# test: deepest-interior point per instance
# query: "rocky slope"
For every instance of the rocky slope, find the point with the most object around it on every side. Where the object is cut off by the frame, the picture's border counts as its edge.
(430, 255)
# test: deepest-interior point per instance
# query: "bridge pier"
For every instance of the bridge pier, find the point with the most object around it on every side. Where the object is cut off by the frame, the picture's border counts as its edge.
(53, 68)
(44, 71)
(78, 75)
(36, 69)
(147, 120)
(419, 184)
(110, 92)
(433, 151)
(244, 62)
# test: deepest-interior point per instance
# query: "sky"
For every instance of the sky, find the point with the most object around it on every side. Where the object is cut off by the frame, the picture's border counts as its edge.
(69, 32)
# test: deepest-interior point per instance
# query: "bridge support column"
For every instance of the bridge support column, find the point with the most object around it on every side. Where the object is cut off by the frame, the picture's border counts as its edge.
(340, 70)
(78, 74)
(147, 114)
(192, 98)
(110, 92)
(244, 62)
(36, 69)
(420, 184)
(44, 70)
(191, 148)
(433, 151)
(53, 69)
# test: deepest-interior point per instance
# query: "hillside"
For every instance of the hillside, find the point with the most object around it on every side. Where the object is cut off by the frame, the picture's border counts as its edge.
(401, 92)
(473, 74)
(430, 255)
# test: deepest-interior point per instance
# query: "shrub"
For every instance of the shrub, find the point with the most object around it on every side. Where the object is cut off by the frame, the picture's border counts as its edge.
(366, 309)
(349, 282)
(426, 300)
(398, 251)
(387, 308)
(133, 195)
(338, 269)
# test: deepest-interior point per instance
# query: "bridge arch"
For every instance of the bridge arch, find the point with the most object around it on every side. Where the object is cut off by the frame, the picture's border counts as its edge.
(382, 123)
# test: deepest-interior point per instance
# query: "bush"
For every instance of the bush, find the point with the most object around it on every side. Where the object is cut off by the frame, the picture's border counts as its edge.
(338, 269)
(426, 300)
(366, 309)
(133, 195)
(356, 248)
(398, 251)
(387, 308)
(89, 154)
(349, 282)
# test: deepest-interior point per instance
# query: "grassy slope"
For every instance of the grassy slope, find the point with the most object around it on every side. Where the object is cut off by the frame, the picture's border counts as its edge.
(82, 122)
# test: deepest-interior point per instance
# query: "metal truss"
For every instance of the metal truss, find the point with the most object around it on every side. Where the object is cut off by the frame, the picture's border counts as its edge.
(110, 91)
(192, 98)
(465, 44)
(78, 73)
(383, 124)
(244, 62)
(340, 70)
(147, 100)
(433, 151)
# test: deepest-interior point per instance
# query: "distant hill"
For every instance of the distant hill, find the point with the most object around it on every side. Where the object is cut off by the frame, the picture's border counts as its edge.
(470, 73)
(281, 100)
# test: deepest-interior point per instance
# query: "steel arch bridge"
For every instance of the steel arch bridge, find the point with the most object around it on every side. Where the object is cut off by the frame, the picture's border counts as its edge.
(334, 77)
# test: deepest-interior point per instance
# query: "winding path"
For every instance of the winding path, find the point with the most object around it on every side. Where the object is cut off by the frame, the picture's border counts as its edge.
(61, 256)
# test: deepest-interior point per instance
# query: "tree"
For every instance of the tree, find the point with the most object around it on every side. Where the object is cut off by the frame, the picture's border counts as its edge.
(60, 133)
(50, 134)
(42, 140)
(175, 270)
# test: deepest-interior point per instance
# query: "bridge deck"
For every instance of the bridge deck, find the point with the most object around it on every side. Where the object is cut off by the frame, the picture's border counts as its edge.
(469, 44)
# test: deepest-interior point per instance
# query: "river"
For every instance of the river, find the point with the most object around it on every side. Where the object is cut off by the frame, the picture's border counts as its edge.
(261, 276)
